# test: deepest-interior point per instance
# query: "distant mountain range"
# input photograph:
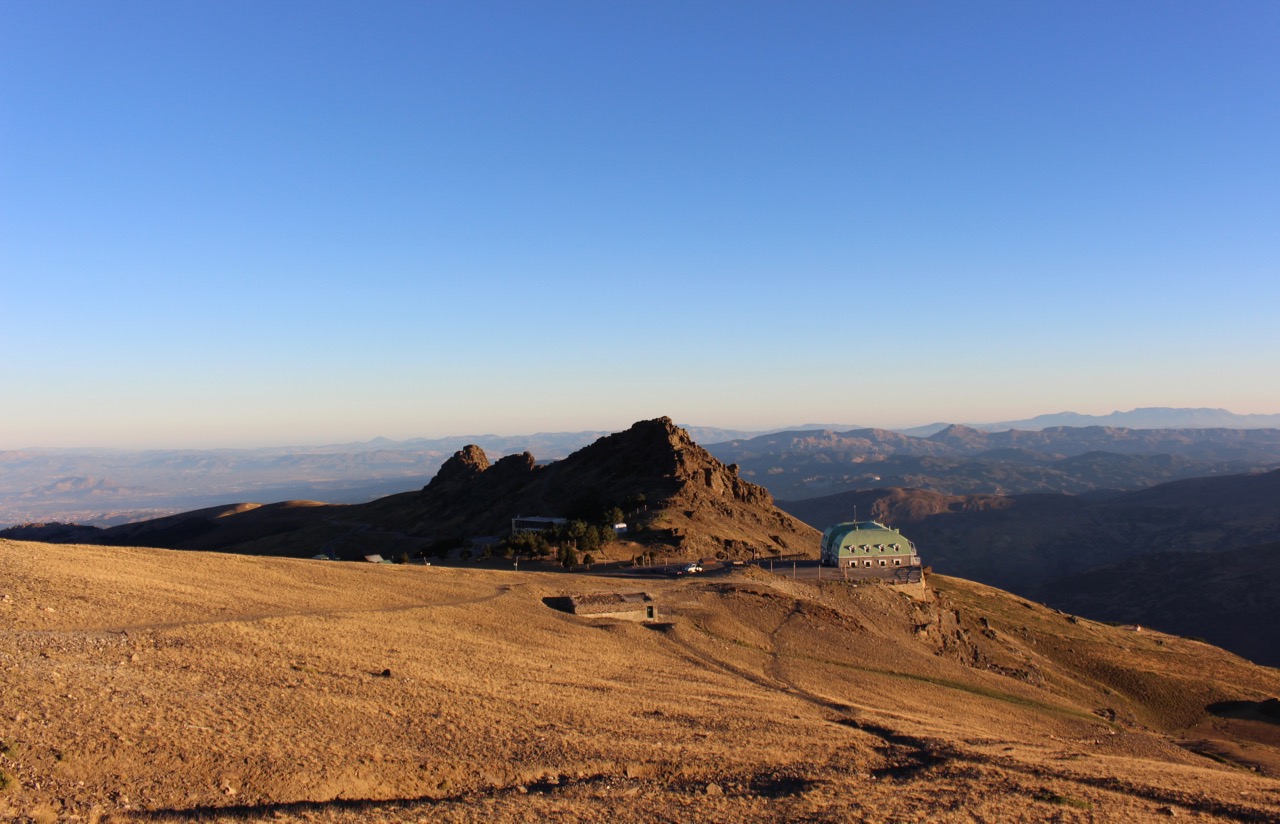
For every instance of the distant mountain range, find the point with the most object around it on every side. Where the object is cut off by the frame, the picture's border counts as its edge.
(105, 487)
(1158, 417)
(1154, 417)
(965, 460)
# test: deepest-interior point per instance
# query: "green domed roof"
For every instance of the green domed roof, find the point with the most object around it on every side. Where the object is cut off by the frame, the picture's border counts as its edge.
(868, 538)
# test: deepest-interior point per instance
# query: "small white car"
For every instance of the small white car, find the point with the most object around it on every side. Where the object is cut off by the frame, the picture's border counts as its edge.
(692, 568)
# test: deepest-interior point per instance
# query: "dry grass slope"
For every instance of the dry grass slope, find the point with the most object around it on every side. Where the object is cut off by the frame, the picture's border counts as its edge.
(159, 686)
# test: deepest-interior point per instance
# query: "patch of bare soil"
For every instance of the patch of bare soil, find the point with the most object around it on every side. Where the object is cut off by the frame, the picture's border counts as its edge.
(162, 686)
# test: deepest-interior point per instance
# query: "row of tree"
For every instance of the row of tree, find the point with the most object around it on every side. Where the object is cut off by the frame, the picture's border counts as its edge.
(570, 543)
(588, 529)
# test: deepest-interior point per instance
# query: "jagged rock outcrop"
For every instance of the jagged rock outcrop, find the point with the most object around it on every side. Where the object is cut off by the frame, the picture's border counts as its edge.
(690, 499)
(466, 464)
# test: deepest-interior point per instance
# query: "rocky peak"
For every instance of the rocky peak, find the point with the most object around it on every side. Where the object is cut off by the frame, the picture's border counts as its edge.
(961, 436)
(466, 463)
(693, 501)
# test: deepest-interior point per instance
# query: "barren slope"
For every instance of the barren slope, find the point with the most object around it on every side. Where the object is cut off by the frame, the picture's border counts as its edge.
(148, 685)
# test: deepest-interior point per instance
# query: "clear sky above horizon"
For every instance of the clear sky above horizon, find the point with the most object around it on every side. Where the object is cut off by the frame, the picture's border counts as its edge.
(244, 223)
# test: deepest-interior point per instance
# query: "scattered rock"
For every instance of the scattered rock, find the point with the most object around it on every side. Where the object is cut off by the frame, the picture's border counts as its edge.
(714, 789)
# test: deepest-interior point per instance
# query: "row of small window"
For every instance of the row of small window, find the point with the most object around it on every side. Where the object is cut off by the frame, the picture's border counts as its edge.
(868, 548)
(883, 562)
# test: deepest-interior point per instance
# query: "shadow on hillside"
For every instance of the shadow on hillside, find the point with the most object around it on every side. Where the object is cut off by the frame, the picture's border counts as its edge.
(300, 809)
(1267, 710)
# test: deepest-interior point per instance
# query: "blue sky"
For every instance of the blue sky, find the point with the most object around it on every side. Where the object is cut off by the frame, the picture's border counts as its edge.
(227, 223)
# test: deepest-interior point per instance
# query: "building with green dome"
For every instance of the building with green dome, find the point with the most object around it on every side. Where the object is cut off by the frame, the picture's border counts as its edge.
(869, 547)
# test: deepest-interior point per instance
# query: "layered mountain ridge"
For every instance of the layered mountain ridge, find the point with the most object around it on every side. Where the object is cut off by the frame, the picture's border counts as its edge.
(965, 460)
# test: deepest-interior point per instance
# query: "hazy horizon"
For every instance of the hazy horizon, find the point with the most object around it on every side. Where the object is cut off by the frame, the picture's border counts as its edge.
(340, 441)
(230, 224)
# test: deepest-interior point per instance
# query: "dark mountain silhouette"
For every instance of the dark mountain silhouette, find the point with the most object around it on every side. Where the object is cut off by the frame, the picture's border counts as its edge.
(1230, 599)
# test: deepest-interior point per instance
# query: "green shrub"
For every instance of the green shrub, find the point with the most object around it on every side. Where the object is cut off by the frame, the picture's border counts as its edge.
(1066, 800)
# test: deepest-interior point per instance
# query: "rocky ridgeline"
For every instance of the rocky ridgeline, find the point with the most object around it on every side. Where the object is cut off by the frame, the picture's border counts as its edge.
(677, 491)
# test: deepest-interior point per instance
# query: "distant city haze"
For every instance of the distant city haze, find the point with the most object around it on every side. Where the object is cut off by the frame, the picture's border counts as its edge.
(240, 224)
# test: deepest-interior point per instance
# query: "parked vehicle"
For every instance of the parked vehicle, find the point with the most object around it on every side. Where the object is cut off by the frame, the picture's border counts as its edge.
(692, 568)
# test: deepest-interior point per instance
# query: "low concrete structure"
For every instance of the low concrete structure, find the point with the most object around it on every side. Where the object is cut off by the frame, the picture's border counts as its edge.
(627, 606)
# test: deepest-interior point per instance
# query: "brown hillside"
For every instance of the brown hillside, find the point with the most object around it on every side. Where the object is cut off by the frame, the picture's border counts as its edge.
(143, 685)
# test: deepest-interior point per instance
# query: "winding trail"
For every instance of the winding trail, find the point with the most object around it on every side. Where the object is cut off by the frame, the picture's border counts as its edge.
(907, 755)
